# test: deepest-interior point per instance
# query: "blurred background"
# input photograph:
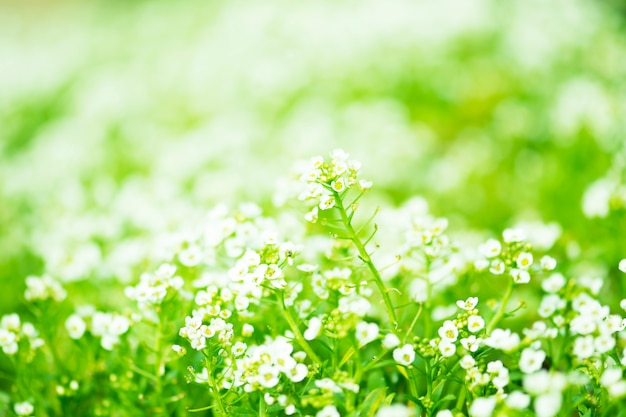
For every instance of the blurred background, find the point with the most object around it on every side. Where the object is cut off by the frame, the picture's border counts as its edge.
(122, 122)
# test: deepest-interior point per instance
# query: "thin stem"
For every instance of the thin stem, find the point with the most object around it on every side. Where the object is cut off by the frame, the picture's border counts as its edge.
(368, 261)
(500, 313)
(408, 332)
(159, 366)
(298, 334)
(220, 411)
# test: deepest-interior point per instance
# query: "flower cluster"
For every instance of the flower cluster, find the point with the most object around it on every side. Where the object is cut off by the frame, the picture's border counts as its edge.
(326, 181)
(44, 288)
(106, 326)
(512, 257)
(13, 331)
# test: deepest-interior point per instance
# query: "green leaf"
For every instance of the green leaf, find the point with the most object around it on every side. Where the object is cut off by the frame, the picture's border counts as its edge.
(372, 402)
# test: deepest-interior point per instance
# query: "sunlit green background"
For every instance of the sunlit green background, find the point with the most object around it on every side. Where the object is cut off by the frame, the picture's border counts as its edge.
(122, 122)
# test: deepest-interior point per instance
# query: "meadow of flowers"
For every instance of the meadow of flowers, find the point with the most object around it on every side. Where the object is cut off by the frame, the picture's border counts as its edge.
(314, 209)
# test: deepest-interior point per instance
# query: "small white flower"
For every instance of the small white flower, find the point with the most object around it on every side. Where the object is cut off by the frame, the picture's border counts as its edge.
(268, 375)
(298, 372)
(467, 362)
(611, 376)
(444, 413)
(513, 235)
(471, 343)
(190, 256)
(75, 326)
(583, 346)
(314, 329)
(390, 341)
(404, 355)
(447, 348)
(239, 348)
(604, 343)
(475, 323)
(448, 331)
(548, 405)
(518, 400)
(524, 260)
(553, 283)
(491, 248)
(547, 263)
(520, 276)
(468, 304)
(339, 185)
(622, 265)
(23, 409)
(531, 360)
(328, 411)
(366, 332)
(326, 202)
(482, 407)
(497, 267)
(395, 410)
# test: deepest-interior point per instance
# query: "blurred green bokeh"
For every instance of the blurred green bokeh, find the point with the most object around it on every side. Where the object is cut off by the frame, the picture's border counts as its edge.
(121, 122)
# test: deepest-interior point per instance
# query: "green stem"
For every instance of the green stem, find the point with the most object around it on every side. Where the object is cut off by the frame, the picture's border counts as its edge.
(215, 393)
(354, 237)
(297, 333)
(500, 313)
(159, 365)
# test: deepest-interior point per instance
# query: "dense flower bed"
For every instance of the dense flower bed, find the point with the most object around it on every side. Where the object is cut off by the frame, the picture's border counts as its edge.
(160, 254)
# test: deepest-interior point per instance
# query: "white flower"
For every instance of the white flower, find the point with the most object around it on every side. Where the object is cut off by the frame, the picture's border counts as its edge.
(23, 409)
(548, 405)
(524, 260)
(75, 326)
(471, 343)
(190, 256)
(327, 202)
(520, 276)
(497, 267)
(314, 329)
(467, 362)
(475, 323)
(491, 248)
(365, 185)
(604, 343)
(328, 411)
(513, 235)
(404, 355)
(268, 375)
(547, 263)
(366, 332)
(622, 265)
(553, 283)
(311, 216)
(583, 346)
(468, 304)
(390, 341)
(395, 410)
(339, 185)
(247, 330)
(543, 382)
(617, 390)
(518, 400)
(447, 348)
(503, 339)
(448, 331)
(482, 407)
(531, 360)
(239, 349)
(298, 372)
(444, 413)
(610, 376)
